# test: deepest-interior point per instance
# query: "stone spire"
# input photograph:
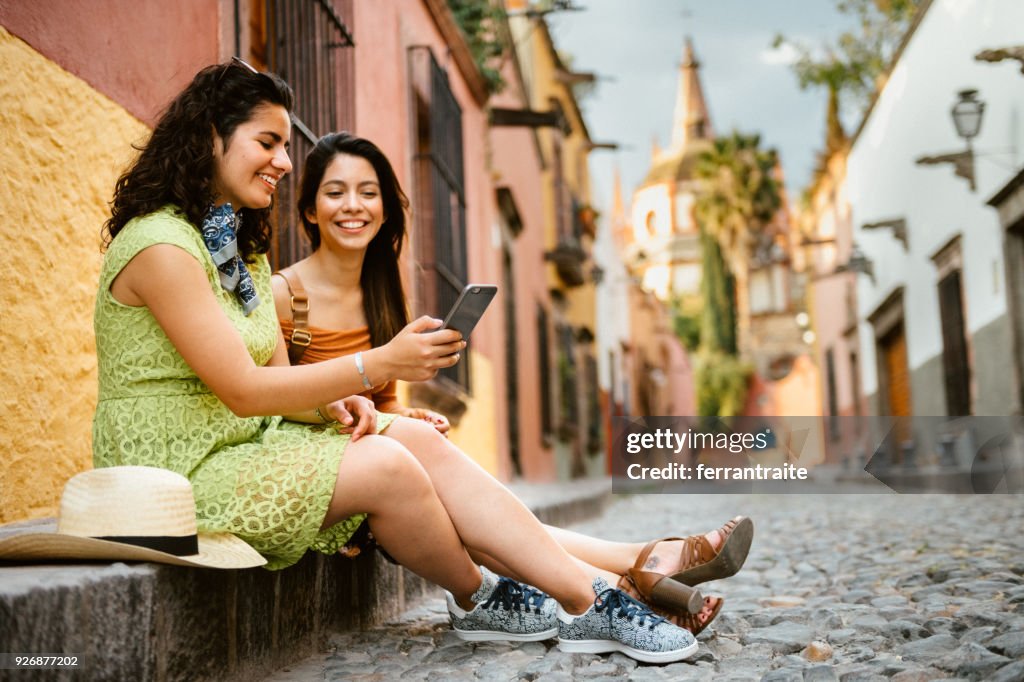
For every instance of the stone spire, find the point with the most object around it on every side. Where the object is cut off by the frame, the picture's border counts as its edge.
(621, 230)
(690, 121)
(618, 207)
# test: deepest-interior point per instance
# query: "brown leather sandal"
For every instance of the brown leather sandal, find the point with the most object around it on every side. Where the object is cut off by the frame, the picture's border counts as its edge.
(700, 563)
(684, 618)
(656, 589)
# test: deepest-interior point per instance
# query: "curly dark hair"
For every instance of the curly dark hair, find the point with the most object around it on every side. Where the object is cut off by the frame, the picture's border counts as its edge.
(384, 301)
(176, 165)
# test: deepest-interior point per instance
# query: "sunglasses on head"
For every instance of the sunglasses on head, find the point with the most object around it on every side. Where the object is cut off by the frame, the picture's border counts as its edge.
(242, 62)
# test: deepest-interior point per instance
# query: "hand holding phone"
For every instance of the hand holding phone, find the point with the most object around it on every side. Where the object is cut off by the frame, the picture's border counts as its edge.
(469, 308)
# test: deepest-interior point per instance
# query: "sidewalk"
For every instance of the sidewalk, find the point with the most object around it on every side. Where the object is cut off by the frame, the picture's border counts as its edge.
(837, 587)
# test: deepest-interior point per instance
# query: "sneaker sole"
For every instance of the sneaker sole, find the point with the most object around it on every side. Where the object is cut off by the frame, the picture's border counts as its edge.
(606, 646)
(500, 636)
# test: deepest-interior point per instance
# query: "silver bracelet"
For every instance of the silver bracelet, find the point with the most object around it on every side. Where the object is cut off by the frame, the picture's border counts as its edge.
(362, 371)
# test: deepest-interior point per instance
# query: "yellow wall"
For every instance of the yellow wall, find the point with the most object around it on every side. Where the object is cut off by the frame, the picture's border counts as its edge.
(63, 146)
(477, 433)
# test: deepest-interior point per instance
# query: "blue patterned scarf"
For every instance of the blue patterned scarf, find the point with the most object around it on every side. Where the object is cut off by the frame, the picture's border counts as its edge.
(219, 227)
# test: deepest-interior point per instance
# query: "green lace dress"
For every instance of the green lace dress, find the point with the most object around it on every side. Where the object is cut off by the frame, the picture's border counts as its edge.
(266, 480)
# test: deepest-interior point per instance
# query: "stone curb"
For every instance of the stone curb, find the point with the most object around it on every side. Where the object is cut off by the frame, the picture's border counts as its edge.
(157, 622)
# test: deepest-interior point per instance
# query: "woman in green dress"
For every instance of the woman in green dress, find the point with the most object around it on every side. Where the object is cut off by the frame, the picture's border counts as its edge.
(194, 375)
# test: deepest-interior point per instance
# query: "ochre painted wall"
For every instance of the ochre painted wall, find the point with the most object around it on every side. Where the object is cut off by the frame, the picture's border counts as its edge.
(64, 145)
(476, 435)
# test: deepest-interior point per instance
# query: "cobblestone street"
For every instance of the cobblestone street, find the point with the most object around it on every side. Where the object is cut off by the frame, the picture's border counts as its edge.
(839, 587)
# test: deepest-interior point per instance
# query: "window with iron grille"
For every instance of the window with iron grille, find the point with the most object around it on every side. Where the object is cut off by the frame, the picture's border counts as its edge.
(439, 207)
(576, 217)
(833, 394)
(593, 393)
(547, 422)
(567, 375)
(308, 45)
(855, 390)
(562, 197)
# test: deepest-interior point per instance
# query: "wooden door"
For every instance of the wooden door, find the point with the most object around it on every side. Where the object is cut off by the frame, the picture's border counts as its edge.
(894, 351)
(897, 382)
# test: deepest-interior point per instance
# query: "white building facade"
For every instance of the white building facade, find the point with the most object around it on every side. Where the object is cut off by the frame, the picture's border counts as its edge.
(933, 324)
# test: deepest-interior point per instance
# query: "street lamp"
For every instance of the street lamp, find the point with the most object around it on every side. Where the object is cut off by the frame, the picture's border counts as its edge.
(967, 113)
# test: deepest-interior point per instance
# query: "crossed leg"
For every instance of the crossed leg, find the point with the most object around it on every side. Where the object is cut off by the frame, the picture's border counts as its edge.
(501, 532)
(411, 519)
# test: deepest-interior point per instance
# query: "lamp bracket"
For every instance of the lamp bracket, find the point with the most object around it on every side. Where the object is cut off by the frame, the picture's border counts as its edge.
(898, 227)
(963, 164)
(1015, 52)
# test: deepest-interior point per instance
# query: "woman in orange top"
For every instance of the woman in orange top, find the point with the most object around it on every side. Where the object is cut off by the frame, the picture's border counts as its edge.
(353, 210)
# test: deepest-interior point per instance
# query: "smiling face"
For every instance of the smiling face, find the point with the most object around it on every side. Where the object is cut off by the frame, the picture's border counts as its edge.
(250, 163)
(349, 210)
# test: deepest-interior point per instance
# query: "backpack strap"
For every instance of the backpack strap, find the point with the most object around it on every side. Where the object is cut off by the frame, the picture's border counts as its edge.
(299, 303)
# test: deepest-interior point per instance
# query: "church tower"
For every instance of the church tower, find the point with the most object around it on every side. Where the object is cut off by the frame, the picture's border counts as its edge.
(664, 244)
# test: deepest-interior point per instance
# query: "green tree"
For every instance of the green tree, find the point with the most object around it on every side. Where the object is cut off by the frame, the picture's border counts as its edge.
(721, 382)
(720, 377)
(717, 286)
(849, 68)
(736, 203)
(479, 21)
(686, 321)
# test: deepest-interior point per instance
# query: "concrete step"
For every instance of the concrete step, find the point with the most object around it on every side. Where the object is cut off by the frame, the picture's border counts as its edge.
(158, 622)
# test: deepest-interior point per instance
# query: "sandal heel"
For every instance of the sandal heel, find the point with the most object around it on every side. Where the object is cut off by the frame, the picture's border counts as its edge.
(669, 594)
(727, 562)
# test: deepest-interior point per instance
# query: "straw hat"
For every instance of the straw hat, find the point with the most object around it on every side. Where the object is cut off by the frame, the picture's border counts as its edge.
(130, 513)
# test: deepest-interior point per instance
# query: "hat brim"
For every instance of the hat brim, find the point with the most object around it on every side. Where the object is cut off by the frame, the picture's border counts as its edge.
(216, 550)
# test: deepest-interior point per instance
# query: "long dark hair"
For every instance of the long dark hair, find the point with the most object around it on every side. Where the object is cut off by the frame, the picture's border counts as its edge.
(384, 302)
(176, 164)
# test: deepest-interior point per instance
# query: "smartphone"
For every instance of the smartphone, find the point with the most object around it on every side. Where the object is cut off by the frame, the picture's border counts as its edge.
(469, 308)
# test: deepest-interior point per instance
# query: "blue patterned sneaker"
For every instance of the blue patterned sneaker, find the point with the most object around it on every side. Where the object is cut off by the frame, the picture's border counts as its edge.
(617, 622)
(505, 611)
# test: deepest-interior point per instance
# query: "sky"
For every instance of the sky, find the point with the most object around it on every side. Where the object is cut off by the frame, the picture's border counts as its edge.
(635, 47)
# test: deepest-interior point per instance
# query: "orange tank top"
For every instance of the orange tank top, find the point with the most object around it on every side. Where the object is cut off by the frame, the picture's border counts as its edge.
(331, 343)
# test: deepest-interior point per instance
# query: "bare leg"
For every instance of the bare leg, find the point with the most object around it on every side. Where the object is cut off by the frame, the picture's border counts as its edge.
(381, 478)
(619, 557)
(616, 557)
(478, 503)
(491, 520)
(462, 482)
(501, 569)
(493, 564)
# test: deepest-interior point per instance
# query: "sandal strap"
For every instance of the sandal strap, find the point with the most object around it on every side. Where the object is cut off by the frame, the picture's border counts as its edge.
(696, 548)
(696, 551)
(726, 530)
(687, 621)
(691, 622)
(641, 558)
